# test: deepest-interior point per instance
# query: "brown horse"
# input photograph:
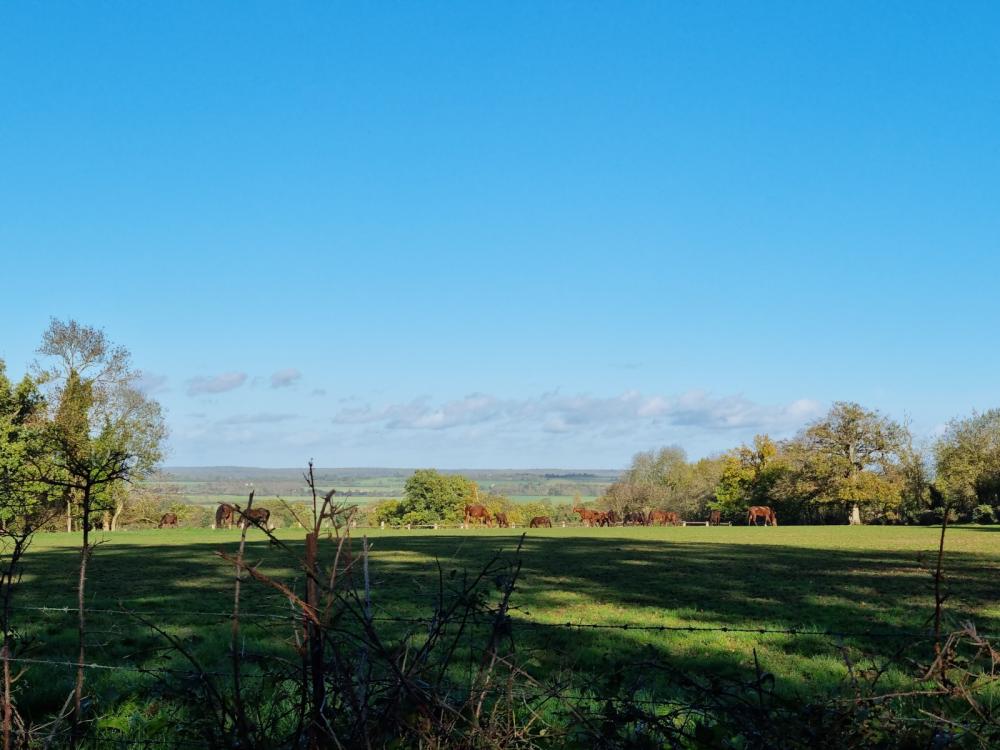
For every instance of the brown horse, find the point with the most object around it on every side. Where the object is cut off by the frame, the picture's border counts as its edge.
(225, 514)
(592, 517)
(635, 518)
(169, 519)
(479, 513)
(663, 518)
(762, 511)
(538, 521)
(714, 518)
(501, 519)
(256, 517)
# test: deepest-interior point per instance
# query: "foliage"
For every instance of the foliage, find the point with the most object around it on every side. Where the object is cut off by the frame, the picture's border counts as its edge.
(430, 497)
(849, 459)
(103, 430)
(22, 409)
(984, 514)
(968, 461)
(665, 479)
(750, 474)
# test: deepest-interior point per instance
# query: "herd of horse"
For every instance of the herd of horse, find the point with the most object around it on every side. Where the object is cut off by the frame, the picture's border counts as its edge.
(590, 517)
(226, 516)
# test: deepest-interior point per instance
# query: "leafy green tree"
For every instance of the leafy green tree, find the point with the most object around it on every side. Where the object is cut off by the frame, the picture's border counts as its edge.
(23, 499)
(749, 476)
(431, 497)
(967, 458)
(852, 458)
(103, 430)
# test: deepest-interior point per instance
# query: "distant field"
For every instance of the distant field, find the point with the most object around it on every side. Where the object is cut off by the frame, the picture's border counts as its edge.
(212, 485)
(840, 578)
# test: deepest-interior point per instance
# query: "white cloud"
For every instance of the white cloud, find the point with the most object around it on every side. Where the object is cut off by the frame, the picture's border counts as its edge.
(227, 381)
(259, 418)
(285, 378)
(553, 412)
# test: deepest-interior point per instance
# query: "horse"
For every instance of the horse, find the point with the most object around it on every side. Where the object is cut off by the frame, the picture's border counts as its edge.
(592, 517)
(663, 518)
(501, 519)
(257, 517)
(539, 521)
(714, 518)
(478, 512)
(634, 518)
(612, 517)
(762, 511)
(225, 514)
(169, 519)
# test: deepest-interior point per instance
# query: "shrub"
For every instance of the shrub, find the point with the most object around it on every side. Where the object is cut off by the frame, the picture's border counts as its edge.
(983, 514)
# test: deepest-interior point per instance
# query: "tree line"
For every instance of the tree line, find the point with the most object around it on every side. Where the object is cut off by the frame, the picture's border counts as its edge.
(853, 465)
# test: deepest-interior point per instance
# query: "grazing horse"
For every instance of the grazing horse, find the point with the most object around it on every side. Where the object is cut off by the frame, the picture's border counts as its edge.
(501, 519)
(635, 518)
(762, 511)
(478, 512)
(225, 514)
(169, 519)
(662, 518)
(714, 518)
(256, 517)
(539, 521)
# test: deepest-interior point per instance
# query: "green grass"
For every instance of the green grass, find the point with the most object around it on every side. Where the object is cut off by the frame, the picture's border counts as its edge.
(837, 578)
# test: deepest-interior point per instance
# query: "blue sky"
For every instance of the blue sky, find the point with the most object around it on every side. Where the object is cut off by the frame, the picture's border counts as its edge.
(507, 235)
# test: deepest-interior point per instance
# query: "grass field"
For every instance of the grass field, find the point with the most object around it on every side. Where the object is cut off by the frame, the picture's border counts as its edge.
(836, 578)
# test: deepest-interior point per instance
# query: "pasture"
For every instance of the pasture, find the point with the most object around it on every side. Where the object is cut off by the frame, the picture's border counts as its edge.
(845, 579)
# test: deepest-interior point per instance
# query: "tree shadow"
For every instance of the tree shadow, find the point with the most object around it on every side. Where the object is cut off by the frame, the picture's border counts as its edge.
(614, 579)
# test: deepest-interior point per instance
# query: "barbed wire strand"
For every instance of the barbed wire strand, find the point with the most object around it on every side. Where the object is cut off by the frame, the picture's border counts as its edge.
(757, 630)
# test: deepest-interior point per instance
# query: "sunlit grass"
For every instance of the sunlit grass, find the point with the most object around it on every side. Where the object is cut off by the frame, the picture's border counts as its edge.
(817, 578)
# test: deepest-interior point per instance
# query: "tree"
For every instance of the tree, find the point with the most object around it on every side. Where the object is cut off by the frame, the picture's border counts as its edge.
(665, 479)
(103, 426)
(431, 497)
(852, 457)
(967, 458)
(103, 432)
(22, 413)
(749, 476)
(24, 507)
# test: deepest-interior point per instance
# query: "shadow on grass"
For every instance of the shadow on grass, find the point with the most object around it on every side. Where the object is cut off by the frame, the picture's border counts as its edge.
(610, 579)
